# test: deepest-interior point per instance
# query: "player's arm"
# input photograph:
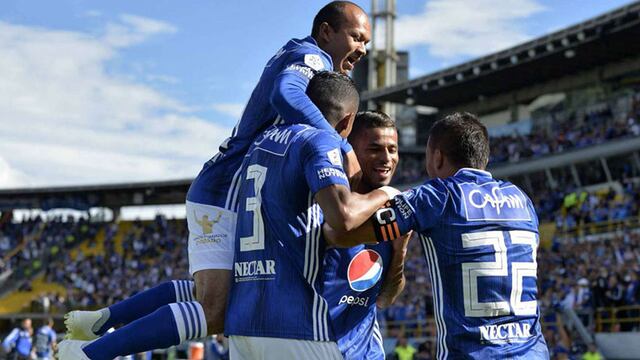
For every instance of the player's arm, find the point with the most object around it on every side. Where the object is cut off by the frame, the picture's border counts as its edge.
(289, 97)
(394, 281)
(397, 218)
(321, 159)
(9, 341)
(345, 210)
(290, 100)
(54, 341)
(377, 229)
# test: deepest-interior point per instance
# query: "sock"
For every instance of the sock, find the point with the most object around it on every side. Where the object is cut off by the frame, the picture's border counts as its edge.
(144, 303)
(169, 325)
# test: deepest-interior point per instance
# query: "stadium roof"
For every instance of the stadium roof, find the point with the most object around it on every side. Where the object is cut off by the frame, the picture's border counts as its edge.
(88, 196)
(595, 42)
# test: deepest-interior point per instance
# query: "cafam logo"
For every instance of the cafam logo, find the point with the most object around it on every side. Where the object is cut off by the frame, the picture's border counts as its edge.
(495, 199)
(492, 201)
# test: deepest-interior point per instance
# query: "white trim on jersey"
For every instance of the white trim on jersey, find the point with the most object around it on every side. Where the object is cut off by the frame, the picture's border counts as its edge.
(232, 193)
(311, 268)
(235, 183)
(436, 284)
(377, 336)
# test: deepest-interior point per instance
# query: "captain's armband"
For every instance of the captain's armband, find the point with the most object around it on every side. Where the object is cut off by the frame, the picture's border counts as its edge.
(385, 223)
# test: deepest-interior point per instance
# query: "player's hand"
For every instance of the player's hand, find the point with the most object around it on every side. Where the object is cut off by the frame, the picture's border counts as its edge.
(400, 244)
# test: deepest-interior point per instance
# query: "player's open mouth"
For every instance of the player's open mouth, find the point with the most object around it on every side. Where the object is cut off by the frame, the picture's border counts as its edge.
(351, 61)
(384, 171)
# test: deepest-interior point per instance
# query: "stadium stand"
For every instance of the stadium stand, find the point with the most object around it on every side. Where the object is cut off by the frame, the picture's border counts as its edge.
(577, 158)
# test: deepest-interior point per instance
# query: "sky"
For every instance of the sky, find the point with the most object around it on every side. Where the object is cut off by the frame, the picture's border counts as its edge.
(95, 92)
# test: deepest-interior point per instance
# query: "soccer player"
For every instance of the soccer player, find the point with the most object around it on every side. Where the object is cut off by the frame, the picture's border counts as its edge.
(18, 343)
(480, 237)
(360, 277)
(181, 310)
(45, 341)
(292, 181)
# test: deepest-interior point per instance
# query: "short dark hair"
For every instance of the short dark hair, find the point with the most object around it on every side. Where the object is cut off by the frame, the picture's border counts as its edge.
(332, 14)
(371, 119)
(332, 92)
(462, 138)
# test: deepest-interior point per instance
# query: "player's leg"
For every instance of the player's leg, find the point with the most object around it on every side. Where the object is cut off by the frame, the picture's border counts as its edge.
(212, 289)
(88, 325)
(169, 325)
(211, 231)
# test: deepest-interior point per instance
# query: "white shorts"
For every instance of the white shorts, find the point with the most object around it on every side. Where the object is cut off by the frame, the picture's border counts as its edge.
(265, 348)
(211, 237)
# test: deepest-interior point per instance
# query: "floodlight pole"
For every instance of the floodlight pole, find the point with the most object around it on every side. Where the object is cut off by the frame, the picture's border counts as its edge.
(383, 62)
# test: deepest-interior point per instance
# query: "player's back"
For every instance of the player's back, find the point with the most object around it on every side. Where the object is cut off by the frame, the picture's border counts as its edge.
(44, 338)
(298, 56)
(279, 248)
(480, 238)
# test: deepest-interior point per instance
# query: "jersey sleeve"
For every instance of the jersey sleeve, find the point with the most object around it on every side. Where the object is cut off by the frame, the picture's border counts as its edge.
(422, 207)
(289, 97)
(322, 162)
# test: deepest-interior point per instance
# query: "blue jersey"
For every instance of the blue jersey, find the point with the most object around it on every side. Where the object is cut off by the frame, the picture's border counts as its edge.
(279, 97)
(480, 237)
(353, 280)
(278, 278)
(18, 341)
(45, 336)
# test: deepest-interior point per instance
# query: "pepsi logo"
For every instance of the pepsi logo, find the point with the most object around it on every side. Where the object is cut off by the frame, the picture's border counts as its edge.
(365, 269)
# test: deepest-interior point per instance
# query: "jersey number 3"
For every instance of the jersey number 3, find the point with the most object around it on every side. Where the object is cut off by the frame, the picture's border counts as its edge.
(500, 267)
(258, 174)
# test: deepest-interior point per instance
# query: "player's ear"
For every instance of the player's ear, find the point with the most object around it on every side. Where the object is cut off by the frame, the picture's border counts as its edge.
(438, 159)
(345, 125)
(325, 32)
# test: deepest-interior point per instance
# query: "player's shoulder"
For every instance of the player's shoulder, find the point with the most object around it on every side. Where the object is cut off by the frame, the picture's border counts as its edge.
(433, 186)
(320, 136)
(306, 51)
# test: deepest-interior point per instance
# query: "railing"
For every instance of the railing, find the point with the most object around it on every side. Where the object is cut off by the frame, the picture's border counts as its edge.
(600, 228)
(425, 328)
(614, 319)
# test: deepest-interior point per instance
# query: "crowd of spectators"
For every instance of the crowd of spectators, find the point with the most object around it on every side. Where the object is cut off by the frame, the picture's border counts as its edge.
(31, 244)
(594, 128)
(577, 207)
(568, 130)
(150, 253)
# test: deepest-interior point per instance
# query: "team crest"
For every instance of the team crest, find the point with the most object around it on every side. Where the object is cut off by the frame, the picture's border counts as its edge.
(314, 61)
(365, 269)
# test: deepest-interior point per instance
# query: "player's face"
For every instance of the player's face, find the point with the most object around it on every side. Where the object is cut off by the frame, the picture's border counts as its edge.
(377, 153)
(347, 45)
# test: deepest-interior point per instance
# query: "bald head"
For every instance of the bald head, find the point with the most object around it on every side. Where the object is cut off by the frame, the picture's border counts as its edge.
(342, 29)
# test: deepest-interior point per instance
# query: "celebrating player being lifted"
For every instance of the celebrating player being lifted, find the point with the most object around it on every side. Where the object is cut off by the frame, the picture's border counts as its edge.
(480, 237)
(174, 312)
(293, 181)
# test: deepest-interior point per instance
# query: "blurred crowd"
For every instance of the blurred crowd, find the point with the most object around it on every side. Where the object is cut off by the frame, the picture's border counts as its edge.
(149, 254)
(594, 128)
(26, 247)
(568, 130)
